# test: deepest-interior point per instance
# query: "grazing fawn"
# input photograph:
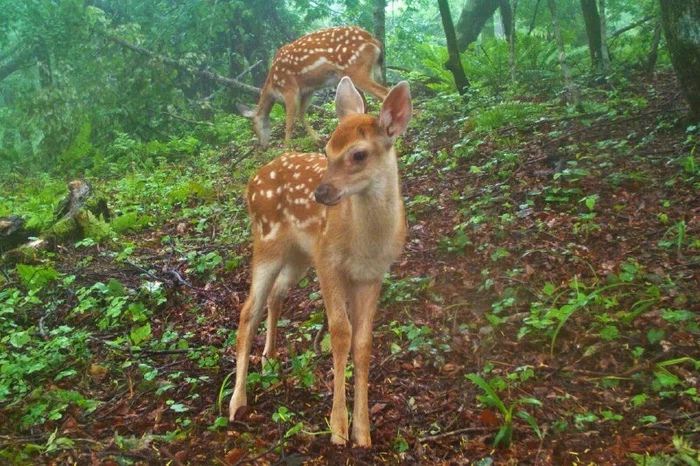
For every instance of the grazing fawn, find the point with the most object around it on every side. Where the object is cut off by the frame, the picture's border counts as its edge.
(312, 62)
(351, 235)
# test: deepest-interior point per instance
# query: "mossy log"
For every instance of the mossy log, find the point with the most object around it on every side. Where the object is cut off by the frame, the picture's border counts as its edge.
(81, 213)
(13, 232)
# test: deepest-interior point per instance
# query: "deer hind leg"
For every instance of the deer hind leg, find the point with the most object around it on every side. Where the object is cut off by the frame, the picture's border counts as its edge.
(362, 79)
(363, 303)
(303, 108)
(264, 276)
(291, 104)
(290, 274)
(334, 293)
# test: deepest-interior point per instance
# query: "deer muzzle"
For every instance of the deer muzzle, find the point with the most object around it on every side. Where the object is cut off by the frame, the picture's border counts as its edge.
(327, 194)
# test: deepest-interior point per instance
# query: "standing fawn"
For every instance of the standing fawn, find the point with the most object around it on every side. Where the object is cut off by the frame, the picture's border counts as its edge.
(351, 234)
(312, 62)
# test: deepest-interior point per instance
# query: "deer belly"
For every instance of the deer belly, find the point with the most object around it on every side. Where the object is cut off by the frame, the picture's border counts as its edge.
(321, 74)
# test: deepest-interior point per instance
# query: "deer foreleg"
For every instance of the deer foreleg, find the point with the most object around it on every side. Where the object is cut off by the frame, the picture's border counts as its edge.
(291, 104)
(303, 108)
(363, 303)
(334, 297)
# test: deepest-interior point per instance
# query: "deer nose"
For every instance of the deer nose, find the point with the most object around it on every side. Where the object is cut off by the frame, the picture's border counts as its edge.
(321, 193)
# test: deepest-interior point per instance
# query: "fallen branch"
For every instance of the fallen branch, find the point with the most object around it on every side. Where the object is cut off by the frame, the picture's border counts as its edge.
(631, 26)
(16, 63)
(232, 83)
(187, 120)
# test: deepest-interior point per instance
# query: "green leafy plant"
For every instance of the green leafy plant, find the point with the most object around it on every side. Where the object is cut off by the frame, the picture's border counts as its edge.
(505, 432)
(285, 416)
(686, 454)
(675, 236)
(204, 264)
(405, 289)
(507, 113)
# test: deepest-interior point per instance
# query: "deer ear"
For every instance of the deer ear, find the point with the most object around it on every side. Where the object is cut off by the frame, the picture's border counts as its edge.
(246, 111)
(397, 110)
(347, 100)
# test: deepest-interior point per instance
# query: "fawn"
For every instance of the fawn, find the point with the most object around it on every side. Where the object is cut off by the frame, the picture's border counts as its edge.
(312, 62)
(351, 235)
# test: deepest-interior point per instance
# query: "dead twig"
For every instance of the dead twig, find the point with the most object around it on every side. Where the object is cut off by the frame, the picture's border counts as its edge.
(179, 281)
(142, 270)
(187, 120)
(247, 70)
(42, 330)
(431, 438)
(319, 337)
(252, 460)
(643, 366)
(164, 450)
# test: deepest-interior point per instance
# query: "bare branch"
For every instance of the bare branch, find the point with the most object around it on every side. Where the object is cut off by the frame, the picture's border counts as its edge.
(232, 83)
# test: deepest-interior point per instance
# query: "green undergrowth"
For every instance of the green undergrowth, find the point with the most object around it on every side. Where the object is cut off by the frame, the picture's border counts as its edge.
(67, 327)
(570, 255)
(546, 247)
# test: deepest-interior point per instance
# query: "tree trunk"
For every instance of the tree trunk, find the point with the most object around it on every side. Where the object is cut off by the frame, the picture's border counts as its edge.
(653, 50)
(605, 53)
(507, 18)
(568, 81)
(681, 22)
(511, 44)
(474, 16)
(454, 64)
(592, 20)
(379, 16)
(534, 18)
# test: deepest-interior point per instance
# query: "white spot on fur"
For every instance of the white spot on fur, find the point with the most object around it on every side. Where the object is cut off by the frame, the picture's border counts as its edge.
(317, 64)
(274, 228)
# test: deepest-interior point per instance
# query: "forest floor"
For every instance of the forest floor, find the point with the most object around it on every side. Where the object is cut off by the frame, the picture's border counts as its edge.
(558, 258)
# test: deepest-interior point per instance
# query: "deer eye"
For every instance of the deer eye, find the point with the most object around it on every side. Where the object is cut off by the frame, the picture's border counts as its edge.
(359, 156)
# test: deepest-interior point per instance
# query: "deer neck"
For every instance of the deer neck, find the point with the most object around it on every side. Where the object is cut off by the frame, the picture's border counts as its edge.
(378, 209)
(266, 102)
(365, 233)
